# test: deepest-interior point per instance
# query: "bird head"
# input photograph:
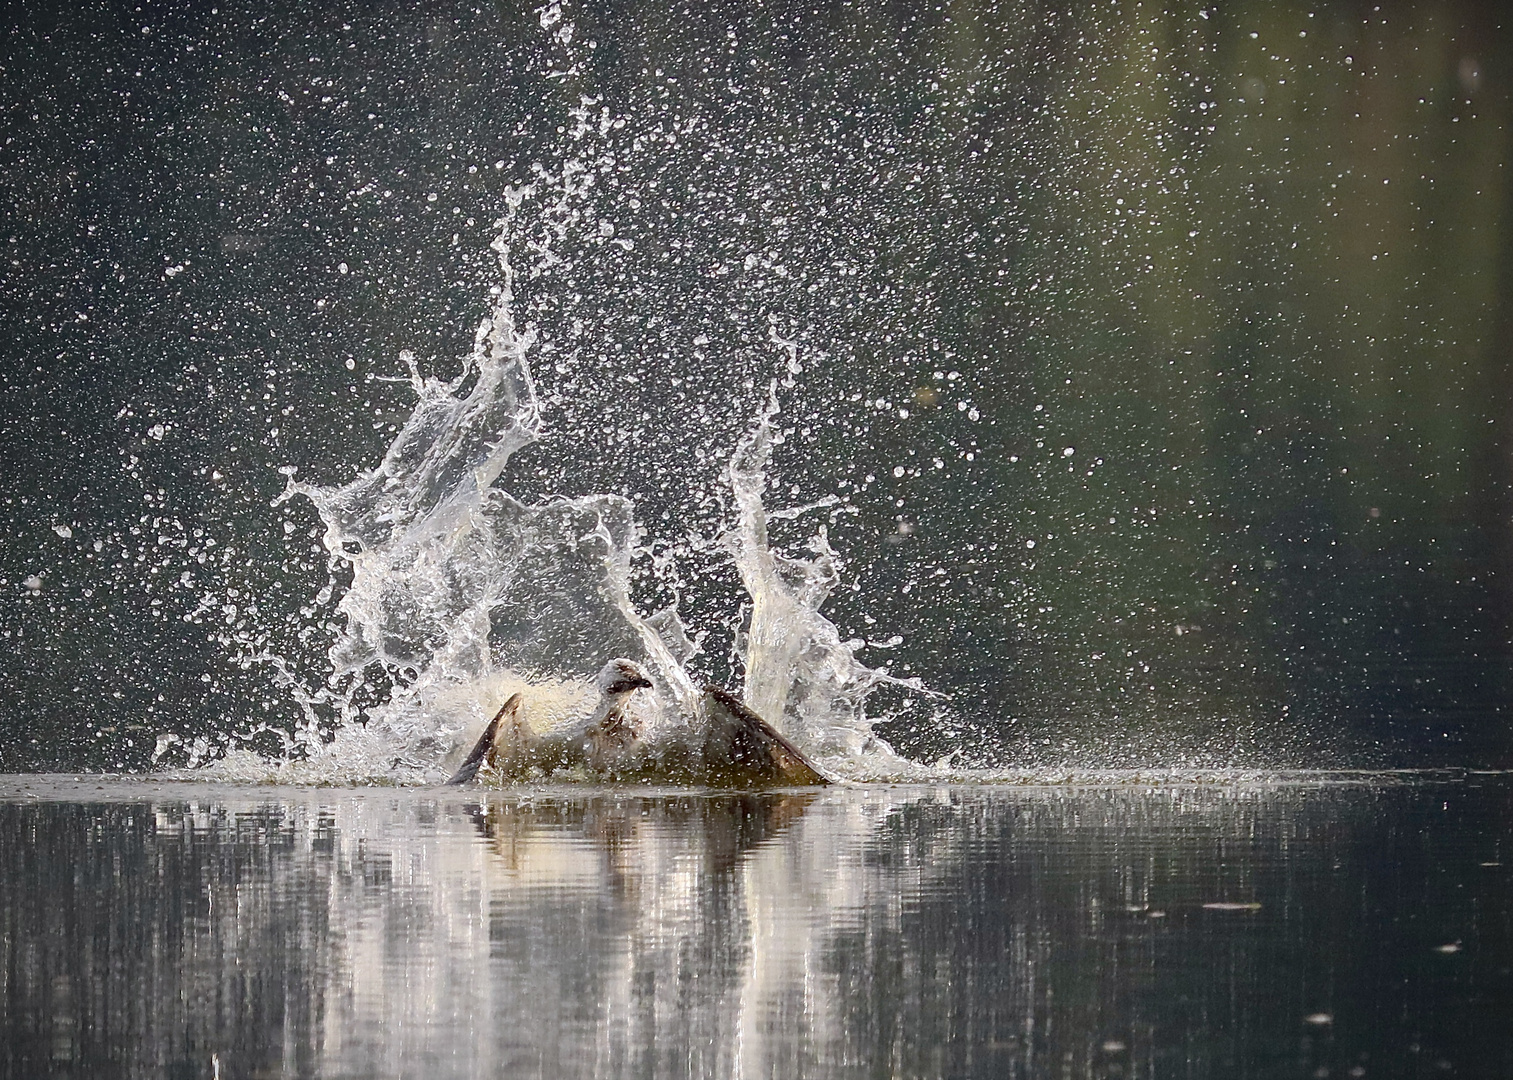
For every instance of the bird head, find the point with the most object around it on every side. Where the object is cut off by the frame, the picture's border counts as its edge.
(621, 676)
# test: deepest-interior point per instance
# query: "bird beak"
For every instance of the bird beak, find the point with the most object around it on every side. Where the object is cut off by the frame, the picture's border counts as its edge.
(635, 682)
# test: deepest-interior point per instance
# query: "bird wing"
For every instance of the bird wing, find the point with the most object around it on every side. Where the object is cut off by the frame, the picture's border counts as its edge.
(485, 743)
(752, 750)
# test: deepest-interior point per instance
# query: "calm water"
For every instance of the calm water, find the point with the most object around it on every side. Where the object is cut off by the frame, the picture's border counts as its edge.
(1293, 926)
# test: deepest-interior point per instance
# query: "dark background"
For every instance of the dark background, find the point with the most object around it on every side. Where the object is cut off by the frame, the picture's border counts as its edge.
(1246, 262)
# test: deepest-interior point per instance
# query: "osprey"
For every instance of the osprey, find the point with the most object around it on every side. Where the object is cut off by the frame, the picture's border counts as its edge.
(728, 745)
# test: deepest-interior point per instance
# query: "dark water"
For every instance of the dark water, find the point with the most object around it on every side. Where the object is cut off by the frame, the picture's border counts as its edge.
(1239, 927)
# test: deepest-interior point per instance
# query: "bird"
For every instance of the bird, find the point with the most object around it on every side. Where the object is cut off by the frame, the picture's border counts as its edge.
(612, 731)
(512, 749)
(728, 745)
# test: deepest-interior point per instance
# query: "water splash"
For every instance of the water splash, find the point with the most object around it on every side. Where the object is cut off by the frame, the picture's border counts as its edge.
(469, 594)
(798, 672)
(461, 594)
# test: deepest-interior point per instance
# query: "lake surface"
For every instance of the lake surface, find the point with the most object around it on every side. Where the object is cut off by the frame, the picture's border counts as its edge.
(1303, 925)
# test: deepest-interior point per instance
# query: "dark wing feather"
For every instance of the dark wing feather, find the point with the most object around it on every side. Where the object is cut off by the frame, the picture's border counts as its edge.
(485, 743)
(753, 750)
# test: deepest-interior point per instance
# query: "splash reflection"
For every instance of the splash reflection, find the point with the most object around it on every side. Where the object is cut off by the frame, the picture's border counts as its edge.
(1241, 930)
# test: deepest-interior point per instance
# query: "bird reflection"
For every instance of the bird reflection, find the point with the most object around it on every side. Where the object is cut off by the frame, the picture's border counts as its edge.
(527, 836)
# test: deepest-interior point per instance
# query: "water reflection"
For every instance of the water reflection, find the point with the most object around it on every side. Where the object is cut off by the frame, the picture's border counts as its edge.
(1127, 931)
